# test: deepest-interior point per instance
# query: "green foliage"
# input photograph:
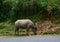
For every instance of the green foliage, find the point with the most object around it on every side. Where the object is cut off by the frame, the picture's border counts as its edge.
(4, 11)
(19, 9)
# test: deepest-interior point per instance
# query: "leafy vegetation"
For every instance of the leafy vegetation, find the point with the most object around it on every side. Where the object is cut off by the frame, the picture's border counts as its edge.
(19, 9)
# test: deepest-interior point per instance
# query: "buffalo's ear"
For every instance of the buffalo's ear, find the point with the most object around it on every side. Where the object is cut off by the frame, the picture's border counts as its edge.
(36, 24)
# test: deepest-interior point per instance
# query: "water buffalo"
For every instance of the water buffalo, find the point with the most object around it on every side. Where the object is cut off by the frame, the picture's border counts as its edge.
(27, 24)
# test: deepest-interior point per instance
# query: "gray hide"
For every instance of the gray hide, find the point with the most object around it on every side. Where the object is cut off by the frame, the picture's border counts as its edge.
(25, 24)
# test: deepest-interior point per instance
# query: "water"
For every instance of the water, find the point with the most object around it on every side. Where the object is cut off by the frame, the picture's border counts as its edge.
(31, 39)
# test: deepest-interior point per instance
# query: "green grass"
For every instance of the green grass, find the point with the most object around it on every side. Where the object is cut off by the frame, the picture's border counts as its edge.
(7, 29)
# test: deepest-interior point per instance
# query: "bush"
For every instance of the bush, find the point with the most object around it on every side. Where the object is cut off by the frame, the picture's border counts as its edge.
(4, 11)
(19, 9)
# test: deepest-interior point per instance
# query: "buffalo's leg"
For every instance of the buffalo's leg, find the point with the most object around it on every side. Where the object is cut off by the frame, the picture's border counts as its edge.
(17, 30)
(28, 31)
